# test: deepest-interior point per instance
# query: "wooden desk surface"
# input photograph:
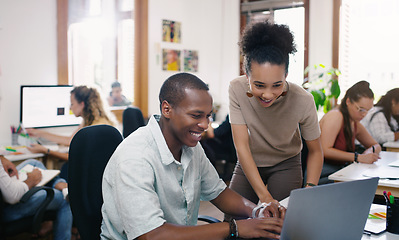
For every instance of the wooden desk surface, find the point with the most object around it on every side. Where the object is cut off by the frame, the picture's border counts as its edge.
(355, 171)
(392, 146)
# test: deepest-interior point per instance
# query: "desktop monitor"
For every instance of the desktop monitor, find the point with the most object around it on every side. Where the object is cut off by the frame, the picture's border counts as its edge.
(47, 106)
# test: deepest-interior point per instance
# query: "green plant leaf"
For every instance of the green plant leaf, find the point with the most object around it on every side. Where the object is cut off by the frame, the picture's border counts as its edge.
(319, 97)
(327, 105)
(335, 89)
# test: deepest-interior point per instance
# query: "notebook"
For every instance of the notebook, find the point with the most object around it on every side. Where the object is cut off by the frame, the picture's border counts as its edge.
(329, 212)
(47, 174)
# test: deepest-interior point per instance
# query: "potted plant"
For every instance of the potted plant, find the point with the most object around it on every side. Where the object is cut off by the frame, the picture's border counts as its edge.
(323, 85)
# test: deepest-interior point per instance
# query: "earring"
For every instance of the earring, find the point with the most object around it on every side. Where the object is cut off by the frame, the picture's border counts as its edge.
(249, 93)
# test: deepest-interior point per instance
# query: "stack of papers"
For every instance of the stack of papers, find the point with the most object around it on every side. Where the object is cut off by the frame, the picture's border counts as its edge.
(391, 173)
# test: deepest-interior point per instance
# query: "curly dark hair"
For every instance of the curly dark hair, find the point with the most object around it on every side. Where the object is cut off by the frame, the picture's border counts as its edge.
(386, 104)
(263, 42)
(172, 89)
(354, 93)
(93, 108)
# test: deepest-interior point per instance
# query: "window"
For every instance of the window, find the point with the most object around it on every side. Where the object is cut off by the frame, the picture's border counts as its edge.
(101, 44)
(288, 13)
(368, 44)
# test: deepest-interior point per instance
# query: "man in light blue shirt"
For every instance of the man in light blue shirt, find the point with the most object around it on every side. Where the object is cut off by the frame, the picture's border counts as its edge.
(153, 183)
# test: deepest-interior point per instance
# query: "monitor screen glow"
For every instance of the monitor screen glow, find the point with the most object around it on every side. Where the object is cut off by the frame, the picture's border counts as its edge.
(47, 106)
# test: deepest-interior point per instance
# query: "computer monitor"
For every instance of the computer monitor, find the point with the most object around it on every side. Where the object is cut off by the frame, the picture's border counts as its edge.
(47, 106)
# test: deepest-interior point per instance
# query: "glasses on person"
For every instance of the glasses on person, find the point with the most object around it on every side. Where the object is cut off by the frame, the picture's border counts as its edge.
(360, 109)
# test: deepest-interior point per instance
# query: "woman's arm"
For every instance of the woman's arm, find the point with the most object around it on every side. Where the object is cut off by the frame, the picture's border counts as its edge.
(63, 140)
(241, 142)
(373, 149)
(330, 126)
(36, 148)
(314, 161)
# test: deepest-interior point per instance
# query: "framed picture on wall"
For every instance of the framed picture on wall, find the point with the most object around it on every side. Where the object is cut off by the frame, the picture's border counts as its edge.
(171, 60)
(171, 31)
(190, 61)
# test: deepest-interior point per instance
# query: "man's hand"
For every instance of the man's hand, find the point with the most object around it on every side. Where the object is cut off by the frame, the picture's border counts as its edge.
(263, 227)
(34, 178)
(9, 167)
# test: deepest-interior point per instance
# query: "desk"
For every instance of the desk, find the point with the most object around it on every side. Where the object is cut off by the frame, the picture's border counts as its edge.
(24, 154)
(392, 146)
(355, 171)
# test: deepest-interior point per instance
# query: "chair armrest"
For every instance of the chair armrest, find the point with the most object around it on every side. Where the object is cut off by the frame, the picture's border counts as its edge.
(207, 219)
(38, 217)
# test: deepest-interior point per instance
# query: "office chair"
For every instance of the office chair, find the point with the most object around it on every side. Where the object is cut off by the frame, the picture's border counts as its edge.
(89, 152)
(131, 120)
(29, 224)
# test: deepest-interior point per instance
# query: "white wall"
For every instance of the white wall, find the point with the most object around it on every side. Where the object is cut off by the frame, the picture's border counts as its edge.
(28, 46)
(320, 32)
(28, 53)
(210, 27)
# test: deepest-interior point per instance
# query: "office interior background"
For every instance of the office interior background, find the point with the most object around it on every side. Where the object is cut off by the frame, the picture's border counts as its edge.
(30, 47)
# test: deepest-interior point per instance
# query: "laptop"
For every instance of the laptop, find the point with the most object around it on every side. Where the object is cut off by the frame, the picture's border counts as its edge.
(329, 212)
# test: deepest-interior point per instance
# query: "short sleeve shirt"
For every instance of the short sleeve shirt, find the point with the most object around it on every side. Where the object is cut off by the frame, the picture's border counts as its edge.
(274, 132)
(144, 186)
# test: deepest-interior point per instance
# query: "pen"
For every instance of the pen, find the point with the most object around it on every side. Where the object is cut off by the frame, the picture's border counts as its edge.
(373, 148)
(385, 196)
(391, 199)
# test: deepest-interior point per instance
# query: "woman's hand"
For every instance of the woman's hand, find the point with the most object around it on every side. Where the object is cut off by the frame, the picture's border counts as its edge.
(36, 148)
(272, 209)
(34, 132)
(368, 158)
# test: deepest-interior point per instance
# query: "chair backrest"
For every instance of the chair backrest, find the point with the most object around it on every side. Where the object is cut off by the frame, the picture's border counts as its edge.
(132, 119)
(89, 152)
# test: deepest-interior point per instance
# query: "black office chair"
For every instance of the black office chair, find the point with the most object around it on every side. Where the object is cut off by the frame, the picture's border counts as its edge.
(89, 152)
(29, 224)
(131, 120)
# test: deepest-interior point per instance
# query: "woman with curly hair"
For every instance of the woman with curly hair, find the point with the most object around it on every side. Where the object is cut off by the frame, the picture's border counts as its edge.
(382, 121)
(341, 126)
(86, 103)
(268, 116)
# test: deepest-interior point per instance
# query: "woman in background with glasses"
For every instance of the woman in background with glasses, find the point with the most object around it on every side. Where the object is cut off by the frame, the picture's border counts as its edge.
(341, 126)
(382, 121)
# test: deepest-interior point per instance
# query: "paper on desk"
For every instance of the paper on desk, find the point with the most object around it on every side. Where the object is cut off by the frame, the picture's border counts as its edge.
(26, 140)
(47, 174)
(394, 164)
(382, 172)
(376, 225)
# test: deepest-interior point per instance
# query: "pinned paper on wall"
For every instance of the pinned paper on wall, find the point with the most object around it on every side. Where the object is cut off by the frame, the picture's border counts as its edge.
(190, 61)
(171, 31)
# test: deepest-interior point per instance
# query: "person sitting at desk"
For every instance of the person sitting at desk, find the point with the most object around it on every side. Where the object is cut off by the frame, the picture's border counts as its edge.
(116, 97)
(163, 170)
(382, 121)
(341, 126)
(13, 189)
(86, 103)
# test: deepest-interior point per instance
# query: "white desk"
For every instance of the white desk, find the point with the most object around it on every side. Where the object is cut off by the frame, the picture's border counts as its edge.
(23, 154)
(355, 171)
(392, 146)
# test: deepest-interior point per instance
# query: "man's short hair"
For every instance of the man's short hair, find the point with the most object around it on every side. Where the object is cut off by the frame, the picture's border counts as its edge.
(115, 84)
(173, 89)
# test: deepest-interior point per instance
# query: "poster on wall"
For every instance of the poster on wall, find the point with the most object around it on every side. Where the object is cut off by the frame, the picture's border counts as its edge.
(171, 59)
(171, 31)
(190, 61)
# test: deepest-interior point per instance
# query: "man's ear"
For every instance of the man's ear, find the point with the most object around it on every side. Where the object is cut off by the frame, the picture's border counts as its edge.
(166, 109)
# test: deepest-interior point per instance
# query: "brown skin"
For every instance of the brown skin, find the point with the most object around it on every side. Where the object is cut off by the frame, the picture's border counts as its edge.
(183, 125)
(33, 178)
